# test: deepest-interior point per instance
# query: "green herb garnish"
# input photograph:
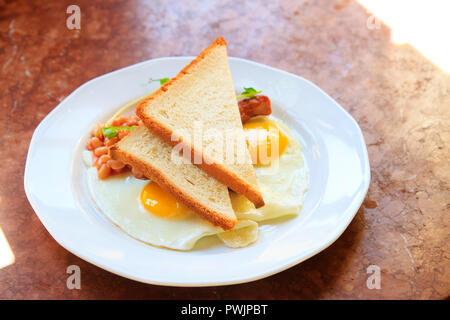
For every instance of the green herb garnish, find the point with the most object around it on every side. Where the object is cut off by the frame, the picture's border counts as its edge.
(111, 132)
(161, 81)
(248, 93)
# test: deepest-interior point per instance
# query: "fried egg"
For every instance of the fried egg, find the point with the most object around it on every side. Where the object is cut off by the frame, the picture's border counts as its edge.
(283, 182)
(148, 213)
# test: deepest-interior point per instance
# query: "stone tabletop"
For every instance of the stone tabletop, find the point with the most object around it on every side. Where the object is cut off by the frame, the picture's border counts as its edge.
(400, 99)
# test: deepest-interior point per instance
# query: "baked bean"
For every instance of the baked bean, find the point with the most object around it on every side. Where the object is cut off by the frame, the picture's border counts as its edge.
(116, 164)
(122, 134)
(137, 174)
(103, 159)
(94, 143)
(101, 151)
(111, 141)
(104, 171)
(119, 121)
(96, 132)
(134, 118)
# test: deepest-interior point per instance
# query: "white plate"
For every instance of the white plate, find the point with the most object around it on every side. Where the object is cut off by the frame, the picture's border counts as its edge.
(334, 150)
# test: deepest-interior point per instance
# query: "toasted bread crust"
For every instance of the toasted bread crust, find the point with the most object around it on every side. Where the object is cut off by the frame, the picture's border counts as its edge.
(154, 174)
(216, 170)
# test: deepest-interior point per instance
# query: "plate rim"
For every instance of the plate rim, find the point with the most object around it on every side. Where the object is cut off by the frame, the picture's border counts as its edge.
(288, 264)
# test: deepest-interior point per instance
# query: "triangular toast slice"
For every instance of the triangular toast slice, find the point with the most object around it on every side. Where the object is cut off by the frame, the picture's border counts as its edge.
(148, 153)
(202, 97)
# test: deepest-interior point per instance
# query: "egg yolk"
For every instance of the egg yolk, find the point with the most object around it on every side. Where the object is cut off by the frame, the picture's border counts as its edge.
(161, 203)
(265, 141)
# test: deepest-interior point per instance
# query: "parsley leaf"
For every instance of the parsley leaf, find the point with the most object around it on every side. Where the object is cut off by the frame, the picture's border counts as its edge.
(248, 93)
(111, 132)
(161, 81)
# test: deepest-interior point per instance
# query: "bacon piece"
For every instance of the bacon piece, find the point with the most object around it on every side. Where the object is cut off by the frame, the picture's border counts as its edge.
(256, 106)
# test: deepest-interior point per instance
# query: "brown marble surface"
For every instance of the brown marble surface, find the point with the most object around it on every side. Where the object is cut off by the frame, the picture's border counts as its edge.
(399, 98)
